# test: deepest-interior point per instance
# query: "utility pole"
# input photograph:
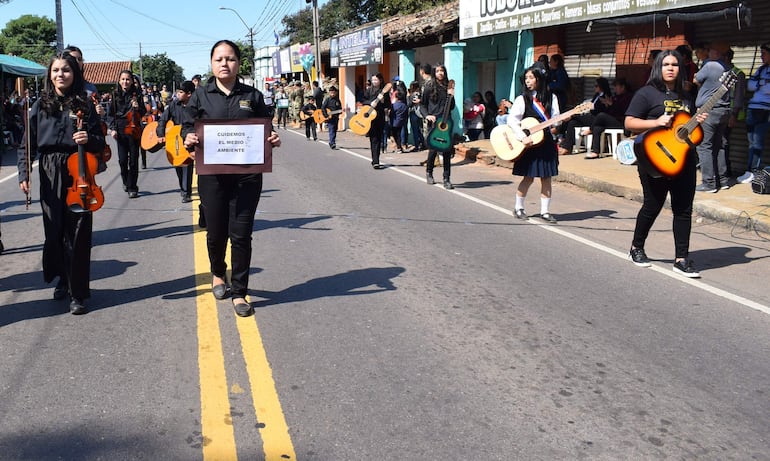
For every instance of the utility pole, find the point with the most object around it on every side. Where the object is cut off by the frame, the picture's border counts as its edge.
(59, 28)
(316, 42)
(141, 67)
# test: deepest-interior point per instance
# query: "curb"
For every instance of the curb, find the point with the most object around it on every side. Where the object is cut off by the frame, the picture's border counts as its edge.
(708, 209)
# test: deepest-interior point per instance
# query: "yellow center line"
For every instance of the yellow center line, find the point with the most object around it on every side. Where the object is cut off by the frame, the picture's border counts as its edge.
(273, 428)
(216, 422)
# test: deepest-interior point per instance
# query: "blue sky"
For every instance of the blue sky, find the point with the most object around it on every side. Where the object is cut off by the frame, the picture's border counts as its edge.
(112, 30)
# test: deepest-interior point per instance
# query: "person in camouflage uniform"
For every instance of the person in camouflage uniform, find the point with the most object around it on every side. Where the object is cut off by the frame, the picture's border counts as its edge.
(297, 99)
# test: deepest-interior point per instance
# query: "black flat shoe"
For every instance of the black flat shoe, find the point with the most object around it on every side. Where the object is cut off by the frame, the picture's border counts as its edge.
(219, 291)
(243, 309)
(520, 214)
(77, 307)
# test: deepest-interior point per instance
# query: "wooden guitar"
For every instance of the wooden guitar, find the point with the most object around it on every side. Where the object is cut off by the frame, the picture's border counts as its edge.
(662, 151)
(176, 153)
(508, 147)
(362, 121)
(440, 136)
(303, 116)
(318, 115)
(150, 141)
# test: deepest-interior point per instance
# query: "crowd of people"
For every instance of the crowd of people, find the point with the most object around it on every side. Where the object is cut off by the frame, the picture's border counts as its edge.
(229, 201)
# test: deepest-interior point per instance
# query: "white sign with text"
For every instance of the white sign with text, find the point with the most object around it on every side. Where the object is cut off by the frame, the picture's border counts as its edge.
(234, 144)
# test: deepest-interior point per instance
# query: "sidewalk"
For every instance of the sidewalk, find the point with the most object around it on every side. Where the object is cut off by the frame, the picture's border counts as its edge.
(736, 206)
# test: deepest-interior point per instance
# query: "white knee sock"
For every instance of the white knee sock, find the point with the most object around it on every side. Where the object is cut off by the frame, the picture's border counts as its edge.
(544, 203)
(519, 203)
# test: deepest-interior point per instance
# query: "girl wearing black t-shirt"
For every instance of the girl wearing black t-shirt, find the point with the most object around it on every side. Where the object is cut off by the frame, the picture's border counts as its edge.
(654, 106)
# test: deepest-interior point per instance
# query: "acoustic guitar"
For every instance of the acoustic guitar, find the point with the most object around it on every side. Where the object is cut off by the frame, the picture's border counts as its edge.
(662, 151)
(176, 153)
(303, 116)
(440, 136)
(362, 121)
(508, 147)
(150, 141)
(318, 115)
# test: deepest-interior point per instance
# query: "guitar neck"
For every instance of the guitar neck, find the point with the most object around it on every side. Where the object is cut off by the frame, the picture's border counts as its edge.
(712, 101)
(553, 121)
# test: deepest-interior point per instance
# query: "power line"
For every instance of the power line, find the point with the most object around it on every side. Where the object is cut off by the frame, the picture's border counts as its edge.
(96, 32)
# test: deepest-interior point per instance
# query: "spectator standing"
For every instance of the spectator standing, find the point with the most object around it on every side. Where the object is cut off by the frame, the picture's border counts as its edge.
(415, 117)
(737, 104)
(473, 115)
(398, 119)
(558, 79)
(490, 113)
(758, 114)
(711, 151)
(282, 106)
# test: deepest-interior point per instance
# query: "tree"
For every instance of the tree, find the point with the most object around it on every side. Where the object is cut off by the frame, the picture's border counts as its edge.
(337, 16)
(159, 69)
(30, 37)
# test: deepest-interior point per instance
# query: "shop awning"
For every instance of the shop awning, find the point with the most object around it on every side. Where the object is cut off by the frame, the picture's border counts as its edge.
(19, 66)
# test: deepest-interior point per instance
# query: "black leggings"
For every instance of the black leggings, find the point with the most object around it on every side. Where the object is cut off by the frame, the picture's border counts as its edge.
(682, 190)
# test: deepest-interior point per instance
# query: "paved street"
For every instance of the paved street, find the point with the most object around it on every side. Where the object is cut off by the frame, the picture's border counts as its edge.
(394, 320)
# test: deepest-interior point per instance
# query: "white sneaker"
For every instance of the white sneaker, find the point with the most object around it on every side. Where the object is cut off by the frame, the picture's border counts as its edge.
(746, 177)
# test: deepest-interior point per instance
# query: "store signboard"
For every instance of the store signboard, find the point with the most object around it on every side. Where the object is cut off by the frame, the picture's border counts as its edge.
(490, 17)
(358, 48)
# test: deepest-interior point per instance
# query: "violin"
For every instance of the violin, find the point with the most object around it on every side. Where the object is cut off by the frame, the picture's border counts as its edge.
(84, 195)
(107, 153)
(133, 128)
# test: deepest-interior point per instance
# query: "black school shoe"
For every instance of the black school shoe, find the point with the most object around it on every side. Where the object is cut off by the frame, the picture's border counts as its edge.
(77, 307)
(61, 290)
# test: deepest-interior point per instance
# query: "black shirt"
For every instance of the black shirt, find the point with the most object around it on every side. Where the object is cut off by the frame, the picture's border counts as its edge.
(51, 133)
(209, 102)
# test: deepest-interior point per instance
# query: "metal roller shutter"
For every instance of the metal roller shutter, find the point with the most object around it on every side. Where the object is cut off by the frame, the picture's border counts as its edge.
(745, 43)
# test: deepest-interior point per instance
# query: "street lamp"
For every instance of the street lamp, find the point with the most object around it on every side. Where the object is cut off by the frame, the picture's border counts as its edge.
(251, 41)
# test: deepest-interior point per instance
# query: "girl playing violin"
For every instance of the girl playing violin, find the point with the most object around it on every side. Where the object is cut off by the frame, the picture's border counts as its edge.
(126, 128)
(53, 137)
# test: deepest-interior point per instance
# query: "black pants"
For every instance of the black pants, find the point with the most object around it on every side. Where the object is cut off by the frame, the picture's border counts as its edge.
(682, 190)
(375, 142)
(446, 158)
(128, 159)
(229, 205)
(185, 175)
(67, 247)
(310, 128)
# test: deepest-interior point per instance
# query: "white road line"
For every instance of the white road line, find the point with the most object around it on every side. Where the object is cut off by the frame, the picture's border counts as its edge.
(611, 251)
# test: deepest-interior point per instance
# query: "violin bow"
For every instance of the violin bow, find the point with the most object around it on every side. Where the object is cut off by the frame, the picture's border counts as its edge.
(27, 147)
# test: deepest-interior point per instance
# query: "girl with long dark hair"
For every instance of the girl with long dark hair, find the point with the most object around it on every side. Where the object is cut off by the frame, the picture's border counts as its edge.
(537, 161)
(127, 109)
(54, 137)
(654, 106)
